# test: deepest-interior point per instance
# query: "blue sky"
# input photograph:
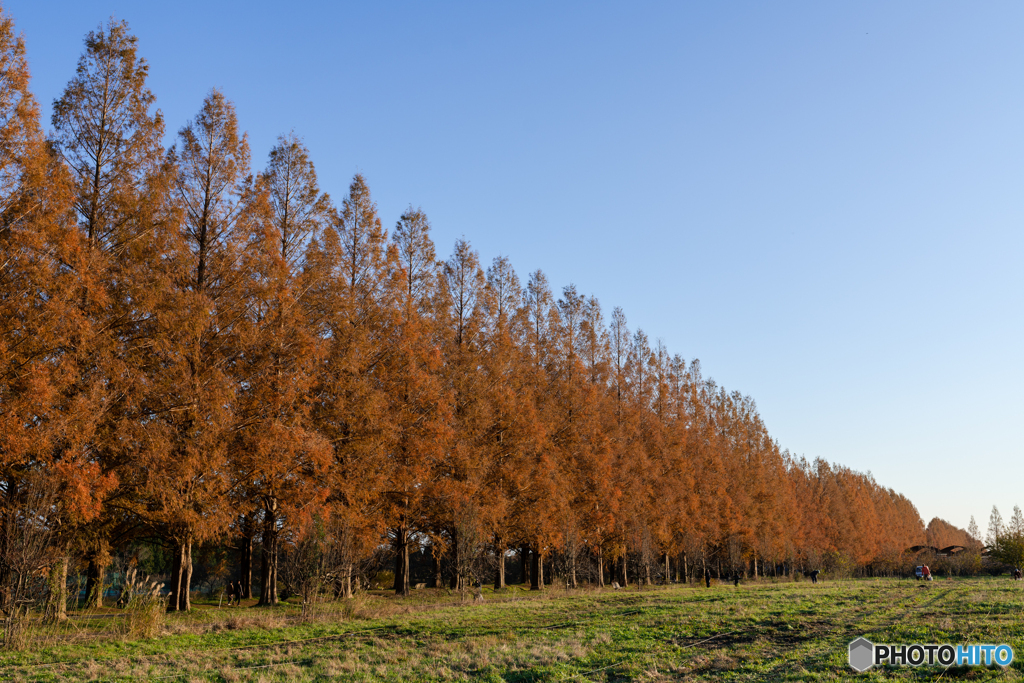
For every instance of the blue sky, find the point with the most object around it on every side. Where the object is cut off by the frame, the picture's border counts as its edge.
(821, 201)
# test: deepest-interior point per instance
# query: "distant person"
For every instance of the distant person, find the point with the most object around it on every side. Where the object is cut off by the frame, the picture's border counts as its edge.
(238, 593)
(814, 575)
(736, 579)
(926, 573)
(707, 577)
(1016, 574)
(231, 593)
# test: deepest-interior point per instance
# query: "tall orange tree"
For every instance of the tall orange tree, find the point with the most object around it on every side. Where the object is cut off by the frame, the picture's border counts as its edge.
(198, 320)
(109, 137)
(351, 314)
(279, 457)
(50, 480)
(461, 490)
(418, 403)
(515, 433)
(581, 432)
(541, 499)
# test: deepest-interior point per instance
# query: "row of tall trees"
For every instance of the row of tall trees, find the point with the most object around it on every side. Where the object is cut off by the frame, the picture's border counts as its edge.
(194, 351)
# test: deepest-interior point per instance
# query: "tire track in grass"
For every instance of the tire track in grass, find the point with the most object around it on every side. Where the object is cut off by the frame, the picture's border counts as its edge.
(891, 615)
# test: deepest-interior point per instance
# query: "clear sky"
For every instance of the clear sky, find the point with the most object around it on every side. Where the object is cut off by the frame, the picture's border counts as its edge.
(822, 201)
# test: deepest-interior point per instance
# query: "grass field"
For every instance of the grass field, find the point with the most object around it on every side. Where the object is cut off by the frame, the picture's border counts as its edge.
(756, 632)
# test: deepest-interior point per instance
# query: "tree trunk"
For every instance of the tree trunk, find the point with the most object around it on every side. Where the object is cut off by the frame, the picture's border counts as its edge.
(57, 594)
(246, 578)
(499, 579)
(668, 570)
(5, 576)
(347, 581)
(268, 557)
(524, 565)
(181, 578)
(682, 565)
(755, 564)
(536, 577)
(623, 574)
(453, 583)
(185, 601)
(600, 567)
(175, 583)
(435, 560)
(93, 584)
(401, 561)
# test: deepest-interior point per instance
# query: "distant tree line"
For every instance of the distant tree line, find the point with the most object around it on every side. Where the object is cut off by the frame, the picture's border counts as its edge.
(196, 354)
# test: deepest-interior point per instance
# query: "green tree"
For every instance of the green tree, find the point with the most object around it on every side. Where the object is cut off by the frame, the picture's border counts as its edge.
(1008, 548)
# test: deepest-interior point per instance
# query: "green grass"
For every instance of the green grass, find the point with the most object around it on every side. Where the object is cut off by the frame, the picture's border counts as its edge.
(759, 631)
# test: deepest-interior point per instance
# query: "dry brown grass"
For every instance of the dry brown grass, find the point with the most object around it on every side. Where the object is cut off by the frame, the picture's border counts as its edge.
(723, 662)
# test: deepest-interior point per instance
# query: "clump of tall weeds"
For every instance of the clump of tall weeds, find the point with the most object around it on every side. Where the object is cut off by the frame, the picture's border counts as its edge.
(143, 606)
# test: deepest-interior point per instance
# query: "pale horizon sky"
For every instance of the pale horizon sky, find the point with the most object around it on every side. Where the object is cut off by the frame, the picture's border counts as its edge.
(821, 201)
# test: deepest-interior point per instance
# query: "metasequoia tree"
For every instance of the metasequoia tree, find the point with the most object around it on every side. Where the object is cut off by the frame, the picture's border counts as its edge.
(972, 530)
(462, 475)
(50, 480)
(109, 139)
(350, 314)
(107, 134)
(581, 432)
(200, 318)
(279, 456)
(515, 432)
(419, 406)
(600, 496)
(995, 526)
(540, 521)
(300, 210)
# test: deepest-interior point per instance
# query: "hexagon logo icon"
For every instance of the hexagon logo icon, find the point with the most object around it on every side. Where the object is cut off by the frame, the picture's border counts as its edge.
(861, 654)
